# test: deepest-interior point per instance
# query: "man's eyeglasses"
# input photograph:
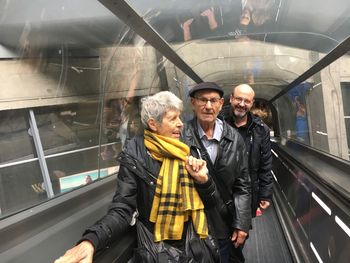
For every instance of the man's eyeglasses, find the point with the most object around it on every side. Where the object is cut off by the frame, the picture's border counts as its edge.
(239, 100)
(203, 101)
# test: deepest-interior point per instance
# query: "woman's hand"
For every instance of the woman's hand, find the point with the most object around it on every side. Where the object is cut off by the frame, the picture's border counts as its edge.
(81, 253)
(197, 168)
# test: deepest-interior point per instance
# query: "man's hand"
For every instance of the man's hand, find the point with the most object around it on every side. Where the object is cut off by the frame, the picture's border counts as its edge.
(81, 253)
(238, 237)
(197, 168)
(264, 204)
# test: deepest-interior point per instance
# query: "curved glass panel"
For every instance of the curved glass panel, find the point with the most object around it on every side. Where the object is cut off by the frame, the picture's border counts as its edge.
(16, 143)
(291, 31)
(311, 25)
(320, 110)
(21, 186)
(71, 88)
(267, 68)
(70, 96)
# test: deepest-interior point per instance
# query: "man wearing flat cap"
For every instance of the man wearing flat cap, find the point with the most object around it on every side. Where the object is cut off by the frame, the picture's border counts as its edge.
(224, 151)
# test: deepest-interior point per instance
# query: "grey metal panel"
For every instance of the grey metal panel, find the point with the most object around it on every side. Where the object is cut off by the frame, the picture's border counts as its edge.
(44, 232)
(318, 211)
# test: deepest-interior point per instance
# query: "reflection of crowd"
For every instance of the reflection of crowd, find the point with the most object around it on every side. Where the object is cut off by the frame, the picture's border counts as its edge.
(199, 23)
(88, 179)
(297, 96)
(220, 18)
(122, 121)
(121, 115)
(301, 122)
(258, 11)
(254, 14)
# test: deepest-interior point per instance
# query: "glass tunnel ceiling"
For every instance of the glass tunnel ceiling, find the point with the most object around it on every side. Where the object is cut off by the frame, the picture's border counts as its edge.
(267, 43)
(311, 25)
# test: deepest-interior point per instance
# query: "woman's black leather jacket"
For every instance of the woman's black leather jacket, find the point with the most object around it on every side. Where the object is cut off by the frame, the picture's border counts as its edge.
(136, 184)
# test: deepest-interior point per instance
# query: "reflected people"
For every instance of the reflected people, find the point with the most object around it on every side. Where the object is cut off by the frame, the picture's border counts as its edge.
(240, 19)
(253, 16)
(199, 22)
(301, 127)
(122, 121)
(159, 158)
(88, 179)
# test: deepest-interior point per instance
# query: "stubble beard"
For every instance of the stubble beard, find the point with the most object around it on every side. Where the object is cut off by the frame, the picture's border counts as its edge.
(239, 115)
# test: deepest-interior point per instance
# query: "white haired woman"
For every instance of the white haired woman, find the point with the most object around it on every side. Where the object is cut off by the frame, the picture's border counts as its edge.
(152, 180)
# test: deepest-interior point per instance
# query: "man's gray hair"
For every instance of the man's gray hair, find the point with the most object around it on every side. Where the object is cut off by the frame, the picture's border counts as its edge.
(157, 105)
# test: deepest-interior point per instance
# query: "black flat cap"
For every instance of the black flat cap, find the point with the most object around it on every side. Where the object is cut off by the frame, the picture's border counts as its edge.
(206, 86)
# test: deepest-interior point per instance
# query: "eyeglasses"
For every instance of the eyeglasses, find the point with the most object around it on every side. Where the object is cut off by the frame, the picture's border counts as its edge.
(203, 101)
(239, 100)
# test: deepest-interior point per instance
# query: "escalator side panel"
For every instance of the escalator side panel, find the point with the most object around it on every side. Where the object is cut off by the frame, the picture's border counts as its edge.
(314, 211)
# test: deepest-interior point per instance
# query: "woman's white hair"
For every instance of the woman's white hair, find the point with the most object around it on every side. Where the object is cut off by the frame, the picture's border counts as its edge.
(155, 106)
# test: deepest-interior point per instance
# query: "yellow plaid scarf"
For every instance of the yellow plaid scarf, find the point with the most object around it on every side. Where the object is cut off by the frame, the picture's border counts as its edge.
(175, 198)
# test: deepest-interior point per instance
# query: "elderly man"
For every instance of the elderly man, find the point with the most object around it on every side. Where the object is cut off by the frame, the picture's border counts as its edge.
(224, 151)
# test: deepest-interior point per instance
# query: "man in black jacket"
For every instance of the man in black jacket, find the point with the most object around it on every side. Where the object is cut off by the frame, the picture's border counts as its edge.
(257, 139)
(224, 151)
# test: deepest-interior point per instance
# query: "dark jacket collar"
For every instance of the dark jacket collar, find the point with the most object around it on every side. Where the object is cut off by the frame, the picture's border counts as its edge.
(252, 119)
(190, 133)
(135, 149)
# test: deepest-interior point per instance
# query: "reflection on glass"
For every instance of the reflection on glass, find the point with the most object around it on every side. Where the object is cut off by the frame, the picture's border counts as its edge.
(316, 112)
(75, 169)
(293, 114)
(295, 25)
(68, 183)
(122, 121)
(126, 82)
(20, 187)
(345, 89)
(68, 127)
(83, 85)
(15, 140)
(199, 22)
(297, 97)
(180, 21)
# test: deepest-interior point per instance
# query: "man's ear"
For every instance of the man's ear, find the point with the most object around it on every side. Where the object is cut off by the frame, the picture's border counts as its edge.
(231, 98)
(152, 124)
(192, 101)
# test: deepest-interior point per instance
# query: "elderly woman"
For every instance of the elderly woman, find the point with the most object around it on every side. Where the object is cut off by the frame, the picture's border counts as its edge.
(151, 174)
